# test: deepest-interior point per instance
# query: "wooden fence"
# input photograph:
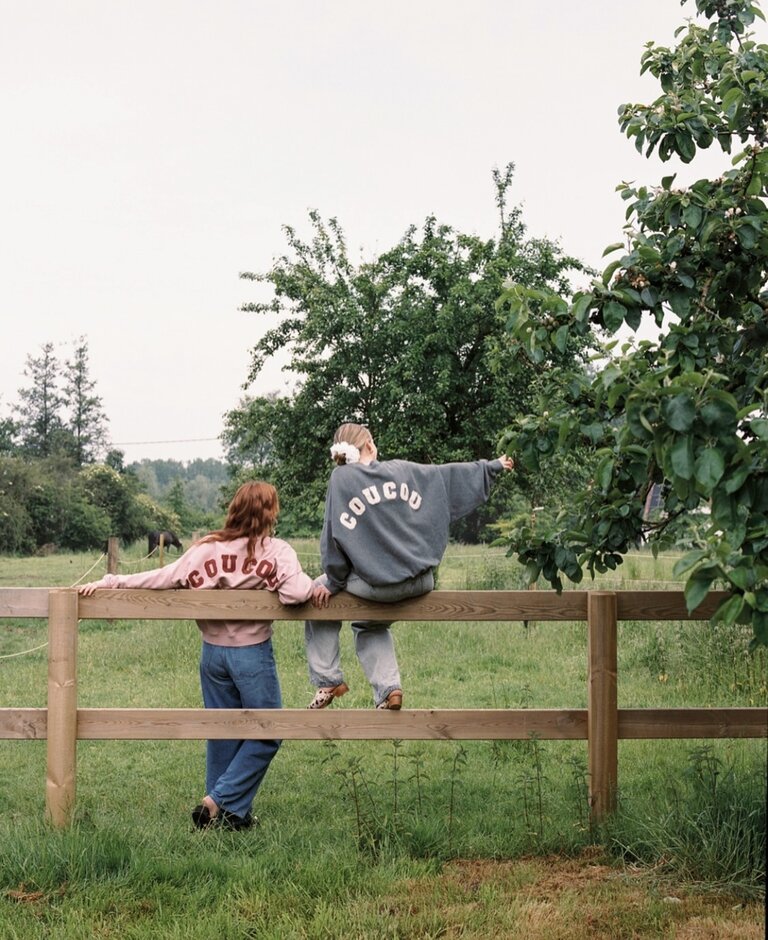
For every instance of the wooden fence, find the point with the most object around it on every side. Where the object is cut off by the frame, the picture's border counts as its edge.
(602, 724)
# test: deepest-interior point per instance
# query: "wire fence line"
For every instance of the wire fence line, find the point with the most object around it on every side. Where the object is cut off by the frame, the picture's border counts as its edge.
(85, 575)
(24, 652)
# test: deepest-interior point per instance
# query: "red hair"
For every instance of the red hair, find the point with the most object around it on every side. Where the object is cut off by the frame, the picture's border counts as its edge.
(252, 514)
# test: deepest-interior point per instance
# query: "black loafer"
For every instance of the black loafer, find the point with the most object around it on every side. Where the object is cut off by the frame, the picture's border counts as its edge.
(227, 820)
(201, 816)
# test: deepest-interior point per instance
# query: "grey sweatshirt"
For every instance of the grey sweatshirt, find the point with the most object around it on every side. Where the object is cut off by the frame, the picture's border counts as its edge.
(388, 521)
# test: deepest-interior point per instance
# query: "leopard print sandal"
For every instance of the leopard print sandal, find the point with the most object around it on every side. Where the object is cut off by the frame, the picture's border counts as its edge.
(324, 697)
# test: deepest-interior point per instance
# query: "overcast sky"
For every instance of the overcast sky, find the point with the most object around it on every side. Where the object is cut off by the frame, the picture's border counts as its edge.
(152, 151)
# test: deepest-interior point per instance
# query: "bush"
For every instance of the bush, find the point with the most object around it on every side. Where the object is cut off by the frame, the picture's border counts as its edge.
(44, 502)
(16, 527)
(86, 526)
(131, 513)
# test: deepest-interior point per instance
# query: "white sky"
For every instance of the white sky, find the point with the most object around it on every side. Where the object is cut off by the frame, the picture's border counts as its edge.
(151, 151)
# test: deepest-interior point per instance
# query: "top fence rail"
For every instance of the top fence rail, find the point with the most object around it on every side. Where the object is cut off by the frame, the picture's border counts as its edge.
(439, 605)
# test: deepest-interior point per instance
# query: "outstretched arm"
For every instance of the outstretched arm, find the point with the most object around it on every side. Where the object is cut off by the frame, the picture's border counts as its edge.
(157, 579)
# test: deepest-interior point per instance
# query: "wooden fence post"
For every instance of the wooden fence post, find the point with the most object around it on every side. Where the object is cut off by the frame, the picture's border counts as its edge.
(602, 705)
(161, 546)
(112, 553)
(62, 706)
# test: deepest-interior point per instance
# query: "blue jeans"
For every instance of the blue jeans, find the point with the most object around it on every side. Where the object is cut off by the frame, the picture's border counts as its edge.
(238, 677)
(374, 645)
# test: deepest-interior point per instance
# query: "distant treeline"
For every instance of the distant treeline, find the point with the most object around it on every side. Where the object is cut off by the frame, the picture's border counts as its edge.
(200, 481)
(47, 503)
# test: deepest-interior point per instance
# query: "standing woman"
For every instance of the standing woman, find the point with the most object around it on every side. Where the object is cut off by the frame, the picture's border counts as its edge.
(385, 530)
(237, 665)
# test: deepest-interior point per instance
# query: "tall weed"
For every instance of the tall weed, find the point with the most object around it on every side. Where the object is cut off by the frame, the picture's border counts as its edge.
(708, 825)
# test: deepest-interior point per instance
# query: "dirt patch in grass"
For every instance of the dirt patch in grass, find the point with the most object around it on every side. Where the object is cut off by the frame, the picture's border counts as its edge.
(556, 898)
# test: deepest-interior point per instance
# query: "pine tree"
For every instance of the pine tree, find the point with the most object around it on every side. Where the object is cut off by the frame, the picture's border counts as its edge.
(87, 420)
(39, 410)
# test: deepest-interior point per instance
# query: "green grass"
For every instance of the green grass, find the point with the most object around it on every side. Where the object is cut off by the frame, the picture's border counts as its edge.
(353, 834)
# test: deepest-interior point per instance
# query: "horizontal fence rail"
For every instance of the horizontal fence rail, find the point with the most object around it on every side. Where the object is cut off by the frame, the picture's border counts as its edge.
(454, 724)
(439, 605)
(602, 724)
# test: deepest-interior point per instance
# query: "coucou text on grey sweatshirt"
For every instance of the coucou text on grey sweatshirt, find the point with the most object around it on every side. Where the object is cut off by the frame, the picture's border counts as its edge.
(388, 520)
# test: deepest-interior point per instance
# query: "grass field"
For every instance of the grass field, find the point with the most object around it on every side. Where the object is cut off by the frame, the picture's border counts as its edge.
(392, 839)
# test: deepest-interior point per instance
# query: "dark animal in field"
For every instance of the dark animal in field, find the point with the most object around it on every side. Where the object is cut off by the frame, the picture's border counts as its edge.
(169, 538)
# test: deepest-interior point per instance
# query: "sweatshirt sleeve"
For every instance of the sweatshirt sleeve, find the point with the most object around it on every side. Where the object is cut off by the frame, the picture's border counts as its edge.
(295, 586)
(158, 579)
(468, 485)
(335, 563)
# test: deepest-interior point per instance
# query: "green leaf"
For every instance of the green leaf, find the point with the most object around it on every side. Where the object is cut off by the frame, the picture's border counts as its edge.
(717, 413)
(604, 474)
(692, 216)
(594, 431)
(729, 610)
(688, 561)
(679, 412)
(741, 576)
(760, 627)
(709, 469)
(684, 145)
(613, 315)
(755, 185)
(681, 457)
(613, 247)
(560, 338)
(581, 305)
(697, 586)
(737, 479)
(634, 318)
(608, 273)
(731, 101)
(759, 427)
(532, 572)
(747, 235)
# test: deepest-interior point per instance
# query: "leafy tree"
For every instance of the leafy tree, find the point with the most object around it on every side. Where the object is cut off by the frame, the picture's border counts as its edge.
(177, 504)
(42, 502)
(193, 490)
(87, 420)
(688, 410)
(131, 513)
(409, 343)
(8, 435)
(40, 427)
(15, 523)
(116, 460)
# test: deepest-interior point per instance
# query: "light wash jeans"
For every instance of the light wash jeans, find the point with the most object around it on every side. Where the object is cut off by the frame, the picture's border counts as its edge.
(238, 677)
(374, 645)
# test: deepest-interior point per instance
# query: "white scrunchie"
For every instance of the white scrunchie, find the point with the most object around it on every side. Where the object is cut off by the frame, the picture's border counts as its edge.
(351, 453)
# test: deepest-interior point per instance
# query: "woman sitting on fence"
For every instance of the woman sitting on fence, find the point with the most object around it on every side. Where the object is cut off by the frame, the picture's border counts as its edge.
(385, 529)
(237, 665)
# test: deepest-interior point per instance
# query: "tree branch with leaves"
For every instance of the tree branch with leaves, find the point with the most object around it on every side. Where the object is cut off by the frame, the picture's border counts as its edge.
(688, 410)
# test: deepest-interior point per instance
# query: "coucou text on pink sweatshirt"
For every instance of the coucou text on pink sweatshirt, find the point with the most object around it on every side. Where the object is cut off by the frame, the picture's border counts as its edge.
(211, 565)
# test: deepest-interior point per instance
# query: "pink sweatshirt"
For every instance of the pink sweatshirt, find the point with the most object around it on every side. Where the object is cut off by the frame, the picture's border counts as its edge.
(210, 565)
